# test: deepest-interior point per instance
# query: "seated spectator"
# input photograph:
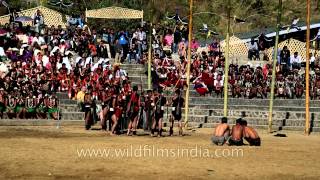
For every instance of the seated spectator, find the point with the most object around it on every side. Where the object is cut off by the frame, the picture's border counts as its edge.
(214, 48)
(218, 84)
(168, 40)
(295, 61)
(182, 50)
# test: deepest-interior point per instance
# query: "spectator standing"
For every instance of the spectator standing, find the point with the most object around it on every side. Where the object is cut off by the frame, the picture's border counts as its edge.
(312, 61)
(253, 49)
(177, 39)
(168, 39)
(194, 44)
(124, 42)
(138, 36)
(285, 59)
(111, 41)
(38, 21)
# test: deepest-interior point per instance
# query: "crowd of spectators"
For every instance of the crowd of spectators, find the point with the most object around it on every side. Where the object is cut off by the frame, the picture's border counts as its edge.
(38, 61)
(245, 81)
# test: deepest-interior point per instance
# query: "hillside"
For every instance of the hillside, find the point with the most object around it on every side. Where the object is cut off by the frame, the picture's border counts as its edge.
(258, 13)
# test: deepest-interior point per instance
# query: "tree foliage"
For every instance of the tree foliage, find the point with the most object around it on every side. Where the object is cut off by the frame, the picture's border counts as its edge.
(258, 13)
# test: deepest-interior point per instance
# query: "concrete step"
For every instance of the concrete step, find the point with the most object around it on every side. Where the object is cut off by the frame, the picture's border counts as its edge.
(257, 102)
(133, 69)
(138, 79)
(248, 113)
(72, 116)
(128, 66)
(213, 125)
(62, 95)
(133, 74)
(136, 68)
(253, 107)
(251, 121)
(67, 101)
(69, 108)
(274, 127)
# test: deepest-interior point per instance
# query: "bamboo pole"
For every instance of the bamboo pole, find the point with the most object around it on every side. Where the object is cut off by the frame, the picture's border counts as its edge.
(186, 111)
(274, 67)
(226, 67)
(149, 58)
(150, 52)
(307, 126)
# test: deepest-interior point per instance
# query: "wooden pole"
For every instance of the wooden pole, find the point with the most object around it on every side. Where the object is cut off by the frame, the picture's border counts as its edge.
(307, 126)
(142, 18)
(226, 67)
(275, 58)
(150, 52)
(86, 19)
(149, 57)
(186, 111)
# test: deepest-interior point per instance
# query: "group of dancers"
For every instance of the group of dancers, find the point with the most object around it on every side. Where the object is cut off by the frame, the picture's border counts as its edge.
(28, 105)
(127, 109)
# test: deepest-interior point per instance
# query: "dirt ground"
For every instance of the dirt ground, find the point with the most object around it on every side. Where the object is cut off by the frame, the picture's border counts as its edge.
(50, 153)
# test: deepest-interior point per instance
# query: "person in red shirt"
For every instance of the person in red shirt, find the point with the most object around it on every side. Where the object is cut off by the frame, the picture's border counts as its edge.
(201, 88)
(93, 49)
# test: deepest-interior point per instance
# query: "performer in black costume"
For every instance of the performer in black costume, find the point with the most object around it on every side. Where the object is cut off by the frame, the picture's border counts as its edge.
(177, 104)
(159, 102)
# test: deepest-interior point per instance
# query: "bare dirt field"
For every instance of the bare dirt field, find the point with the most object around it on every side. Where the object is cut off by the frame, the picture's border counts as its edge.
(50, 153)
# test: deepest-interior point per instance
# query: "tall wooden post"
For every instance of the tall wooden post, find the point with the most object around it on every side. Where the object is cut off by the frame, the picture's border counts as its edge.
(150, 52)
(307, 126)
(275, 58)
(226, 66)
(186, 111)
(150, 57)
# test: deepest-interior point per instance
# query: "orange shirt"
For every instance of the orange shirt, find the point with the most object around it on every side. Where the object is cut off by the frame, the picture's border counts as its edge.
(93, 48)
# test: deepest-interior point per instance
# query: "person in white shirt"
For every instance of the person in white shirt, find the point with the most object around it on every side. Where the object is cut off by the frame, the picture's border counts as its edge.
(66, 61)
(295, 61)
(218, 84)
(253, 49)
(45, 60)
(38, 21)
(38, 39)
(312, 61)
(89, 60)
(144, 40)
(139, 38)
(2, 53)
